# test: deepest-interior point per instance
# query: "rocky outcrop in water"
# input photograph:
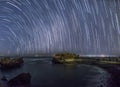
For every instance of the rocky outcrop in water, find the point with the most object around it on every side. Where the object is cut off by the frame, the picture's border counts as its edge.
(8, 63)
(64, 58)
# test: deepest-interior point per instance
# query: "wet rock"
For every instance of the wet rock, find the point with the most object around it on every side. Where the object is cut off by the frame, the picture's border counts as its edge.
(22, 80)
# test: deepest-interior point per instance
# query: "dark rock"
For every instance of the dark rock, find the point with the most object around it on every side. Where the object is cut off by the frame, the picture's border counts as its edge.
(56, 61)
(20, 80)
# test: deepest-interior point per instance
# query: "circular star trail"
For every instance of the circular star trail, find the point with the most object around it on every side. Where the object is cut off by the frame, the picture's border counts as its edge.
(86, 27)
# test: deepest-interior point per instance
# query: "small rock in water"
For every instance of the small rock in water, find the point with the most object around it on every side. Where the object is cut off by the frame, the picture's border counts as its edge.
(23, 80)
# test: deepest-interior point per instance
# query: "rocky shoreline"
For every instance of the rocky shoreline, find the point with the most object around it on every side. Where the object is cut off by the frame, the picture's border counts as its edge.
(112, 69)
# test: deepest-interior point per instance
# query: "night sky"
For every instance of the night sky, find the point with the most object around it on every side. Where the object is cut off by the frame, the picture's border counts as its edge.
(86, 27)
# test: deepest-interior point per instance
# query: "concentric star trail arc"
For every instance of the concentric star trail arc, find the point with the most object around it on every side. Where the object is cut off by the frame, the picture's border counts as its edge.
(85, 27)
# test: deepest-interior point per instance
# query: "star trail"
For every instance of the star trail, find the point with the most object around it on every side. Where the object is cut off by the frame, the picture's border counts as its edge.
(85, 27)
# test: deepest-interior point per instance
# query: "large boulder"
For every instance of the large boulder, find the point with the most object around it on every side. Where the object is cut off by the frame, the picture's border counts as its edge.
(23, 80)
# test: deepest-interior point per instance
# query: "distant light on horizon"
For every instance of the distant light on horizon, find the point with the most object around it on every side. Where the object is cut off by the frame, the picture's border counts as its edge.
(102, 55)
(99, 55)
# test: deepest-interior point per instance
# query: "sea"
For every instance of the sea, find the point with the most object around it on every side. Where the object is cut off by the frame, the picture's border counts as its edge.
(46, 74)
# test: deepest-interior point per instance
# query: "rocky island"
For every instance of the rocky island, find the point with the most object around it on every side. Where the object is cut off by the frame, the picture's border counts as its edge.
(63, 58)
(8, 63)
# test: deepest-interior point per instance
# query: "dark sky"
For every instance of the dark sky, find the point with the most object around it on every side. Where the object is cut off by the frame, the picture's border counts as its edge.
(86, 27)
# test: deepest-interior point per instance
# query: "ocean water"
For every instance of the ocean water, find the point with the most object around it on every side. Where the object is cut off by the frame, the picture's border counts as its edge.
(46, 74)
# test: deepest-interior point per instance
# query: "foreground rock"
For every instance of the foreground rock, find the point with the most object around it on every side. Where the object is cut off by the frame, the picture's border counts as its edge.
(7, 63)
(22, 80)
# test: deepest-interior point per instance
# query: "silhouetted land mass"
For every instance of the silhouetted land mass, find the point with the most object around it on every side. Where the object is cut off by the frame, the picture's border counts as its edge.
(28, 56)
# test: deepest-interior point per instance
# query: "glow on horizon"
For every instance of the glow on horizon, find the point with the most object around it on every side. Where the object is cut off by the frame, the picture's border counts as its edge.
(99, 55)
